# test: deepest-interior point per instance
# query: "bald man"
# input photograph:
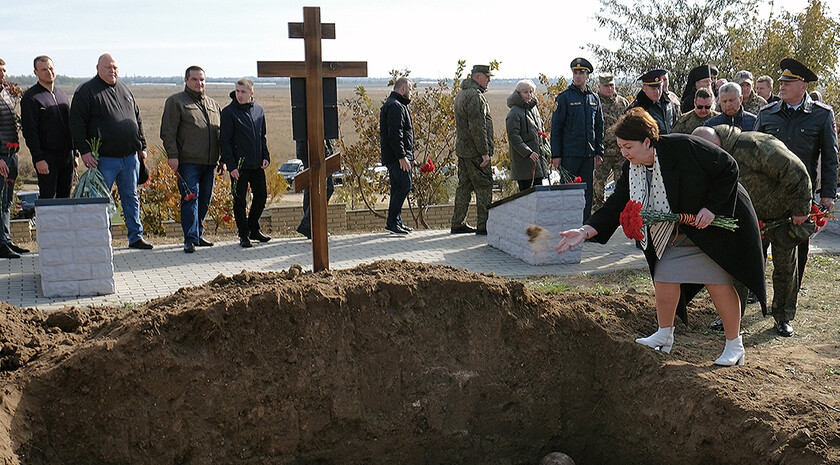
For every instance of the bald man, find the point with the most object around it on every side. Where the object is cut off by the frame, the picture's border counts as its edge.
(104, 107)
(780, 188)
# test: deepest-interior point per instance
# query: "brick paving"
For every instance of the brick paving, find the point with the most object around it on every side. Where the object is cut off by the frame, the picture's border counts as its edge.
(144, 275)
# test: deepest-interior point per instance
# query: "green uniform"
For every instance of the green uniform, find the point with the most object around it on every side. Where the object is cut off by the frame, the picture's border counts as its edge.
(780, 187)
(612, 109)
(474, 138)
(753, 102)
(689, 121)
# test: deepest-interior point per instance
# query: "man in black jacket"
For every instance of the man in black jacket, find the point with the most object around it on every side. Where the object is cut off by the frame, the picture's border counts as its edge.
(245, 152)
(104, 108)
(653, 100)
(396, 139)
(45, 117)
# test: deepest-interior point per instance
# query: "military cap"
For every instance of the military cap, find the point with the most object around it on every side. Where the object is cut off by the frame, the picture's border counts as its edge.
(744, 76)
(653, 78)
(581, 63)
(793, 70)
(485, 69)
(606, 79)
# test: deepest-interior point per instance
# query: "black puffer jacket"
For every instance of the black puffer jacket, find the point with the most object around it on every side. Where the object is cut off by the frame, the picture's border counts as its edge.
(243, 135)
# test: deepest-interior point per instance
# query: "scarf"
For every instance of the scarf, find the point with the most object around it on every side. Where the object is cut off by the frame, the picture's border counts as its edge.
(652, 197)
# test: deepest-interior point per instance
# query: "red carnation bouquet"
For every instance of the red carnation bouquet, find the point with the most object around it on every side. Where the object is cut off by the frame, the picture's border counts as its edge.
(818, 215)
(633, 218)
(427, 167)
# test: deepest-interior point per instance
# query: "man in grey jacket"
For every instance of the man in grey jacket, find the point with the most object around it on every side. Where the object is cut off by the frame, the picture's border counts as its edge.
(189, 129)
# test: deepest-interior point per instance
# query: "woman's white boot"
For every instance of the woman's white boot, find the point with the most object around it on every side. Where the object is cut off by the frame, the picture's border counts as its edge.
(733, 353)
(662, 339)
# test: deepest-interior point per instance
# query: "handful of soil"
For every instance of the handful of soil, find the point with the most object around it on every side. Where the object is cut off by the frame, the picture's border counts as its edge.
(535, 232)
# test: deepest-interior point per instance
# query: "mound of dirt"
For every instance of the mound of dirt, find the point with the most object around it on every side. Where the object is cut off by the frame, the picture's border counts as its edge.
(394, 362)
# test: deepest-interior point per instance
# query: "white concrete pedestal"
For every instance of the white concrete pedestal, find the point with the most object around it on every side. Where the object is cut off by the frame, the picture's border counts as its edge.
(554, 208)
(74, 247)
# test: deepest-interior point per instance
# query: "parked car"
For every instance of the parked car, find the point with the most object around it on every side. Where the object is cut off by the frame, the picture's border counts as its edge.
(26, 204)
(290, 169)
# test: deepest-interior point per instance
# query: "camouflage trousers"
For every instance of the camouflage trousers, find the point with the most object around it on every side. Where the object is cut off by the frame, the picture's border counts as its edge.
(786, 281)
(611, 165)
(473, 178)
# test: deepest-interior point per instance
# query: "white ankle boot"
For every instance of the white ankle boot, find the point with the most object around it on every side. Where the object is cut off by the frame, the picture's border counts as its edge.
(663, 339)
(733, 353)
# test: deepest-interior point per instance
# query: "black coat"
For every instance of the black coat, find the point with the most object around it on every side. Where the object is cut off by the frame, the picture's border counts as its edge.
(242, 135)
(665, 113)
(396, 134)
(699, 174)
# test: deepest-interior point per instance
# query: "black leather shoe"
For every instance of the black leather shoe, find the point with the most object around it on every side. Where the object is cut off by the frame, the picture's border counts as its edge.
(6, 252)
(784, 328)
(202, 242)
(396, 229)
(717, 325)
(480, 232)
(305, 232)
(245, 243)
(189, 247)
(400, 224)
(462, 229)
(751, 298)
(259, 236)
(141, 244)
(17, 249)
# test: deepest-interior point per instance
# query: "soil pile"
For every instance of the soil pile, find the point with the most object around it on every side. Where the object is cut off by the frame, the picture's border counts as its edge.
(394, 362)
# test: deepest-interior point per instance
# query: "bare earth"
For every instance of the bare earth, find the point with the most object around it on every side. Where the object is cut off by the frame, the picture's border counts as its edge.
(399, 363)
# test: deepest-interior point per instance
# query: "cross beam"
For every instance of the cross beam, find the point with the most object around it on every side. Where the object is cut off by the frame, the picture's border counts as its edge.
(314, 70)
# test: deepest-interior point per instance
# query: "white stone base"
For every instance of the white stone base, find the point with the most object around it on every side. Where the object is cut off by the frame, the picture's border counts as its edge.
(554, 208)
(74, 247)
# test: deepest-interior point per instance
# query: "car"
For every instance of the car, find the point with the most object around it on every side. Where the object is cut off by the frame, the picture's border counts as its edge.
(26, 206)
(290, 169)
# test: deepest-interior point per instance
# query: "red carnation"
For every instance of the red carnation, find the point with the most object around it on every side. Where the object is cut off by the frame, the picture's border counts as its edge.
(577, 180)
(189, 197)
(542, 134)
(821, 222)
(631, 220)
(427, 167)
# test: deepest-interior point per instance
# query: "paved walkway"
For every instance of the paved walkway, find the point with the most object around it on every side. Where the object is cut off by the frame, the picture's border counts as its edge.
(143, 275)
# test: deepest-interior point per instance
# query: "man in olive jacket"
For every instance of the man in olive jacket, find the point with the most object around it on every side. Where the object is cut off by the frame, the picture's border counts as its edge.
(780, 188)
(474, 147)
(189, 129)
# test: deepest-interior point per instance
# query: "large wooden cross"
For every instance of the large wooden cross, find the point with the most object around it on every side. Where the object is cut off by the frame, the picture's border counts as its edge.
(314, 70)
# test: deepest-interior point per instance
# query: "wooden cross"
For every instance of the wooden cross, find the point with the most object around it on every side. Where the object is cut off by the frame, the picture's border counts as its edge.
(311, 30)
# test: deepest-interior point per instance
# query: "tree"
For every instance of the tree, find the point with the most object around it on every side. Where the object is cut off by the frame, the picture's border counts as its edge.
(812, 37)
(675, 35)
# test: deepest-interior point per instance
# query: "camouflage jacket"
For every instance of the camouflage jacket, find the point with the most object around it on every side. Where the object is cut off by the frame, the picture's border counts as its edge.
(753, 102)
(473, 124)
(689, 121)
(612, 109)
(775, 177)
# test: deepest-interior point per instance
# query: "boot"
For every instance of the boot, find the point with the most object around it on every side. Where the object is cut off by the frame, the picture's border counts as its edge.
(733, 353)
(662, 339)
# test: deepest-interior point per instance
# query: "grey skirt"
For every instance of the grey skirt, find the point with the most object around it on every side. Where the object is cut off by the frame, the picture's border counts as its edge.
(683, 262)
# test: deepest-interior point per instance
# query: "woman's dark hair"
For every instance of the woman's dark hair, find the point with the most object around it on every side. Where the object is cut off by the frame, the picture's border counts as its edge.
(636, 124)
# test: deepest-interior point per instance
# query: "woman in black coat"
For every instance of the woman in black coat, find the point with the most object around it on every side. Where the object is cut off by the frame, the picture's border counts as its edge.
(684, 174)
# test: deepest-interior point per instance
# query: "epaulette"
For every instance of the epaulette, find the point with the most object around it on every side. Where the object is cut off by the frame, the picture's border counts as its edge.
(768, 105)
(824, 105)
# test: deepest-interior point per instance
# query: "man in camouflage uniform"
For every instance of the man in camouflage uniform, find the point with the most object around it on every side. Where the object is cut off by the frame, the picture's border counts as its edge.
(780, 188)
(612, 107)
(474, 147)
(752, 102)
(704, 110)
(808, 130)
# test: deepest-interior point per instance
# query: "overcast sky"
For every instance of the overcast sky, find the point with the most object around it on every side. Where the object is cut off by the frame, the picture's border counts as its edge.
(227, 38)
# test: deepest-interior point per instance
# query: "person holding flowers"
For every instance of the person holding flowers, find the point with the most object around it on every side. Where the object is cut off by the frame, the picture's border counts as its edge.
(9, 146)
(698, 226)
(189, 129)
(396, 142)
(245, 152)
(529, 146)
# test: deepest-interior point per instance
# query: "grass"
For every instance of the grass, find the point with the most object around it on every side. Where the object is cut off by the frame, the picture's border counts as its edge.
(817, 320)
